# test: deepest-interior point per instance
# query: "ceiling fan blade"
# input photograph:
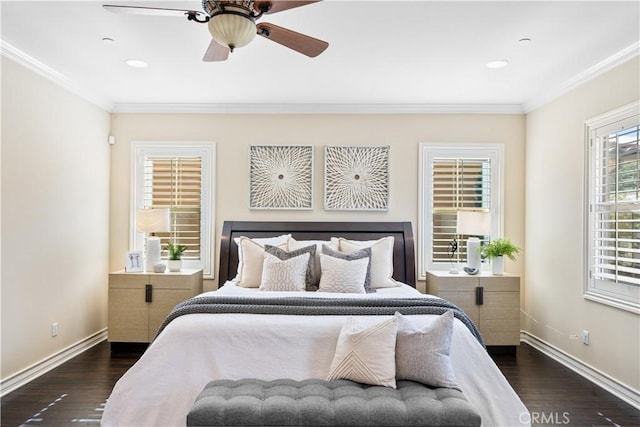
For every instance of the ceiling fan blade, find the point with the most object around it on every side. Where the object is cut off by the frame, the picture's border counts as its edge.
(216, 52)
(156, 11)
(304, 44)
(273, 6)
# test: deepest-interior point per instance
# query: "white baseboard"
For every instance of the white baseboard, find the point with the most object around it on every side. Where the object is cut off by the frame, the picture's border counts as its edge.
(613, 386)
(17, 380)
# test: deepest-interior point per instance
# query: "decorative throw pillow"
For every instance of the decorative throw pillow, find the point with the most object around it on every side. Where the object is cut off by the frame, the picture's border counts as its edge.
(343, 276)
(381, 259)
(310, 276)
(366, 354)
(284, 275)
(251, 257)
(298, 244)
(362, 253)
(422, 355)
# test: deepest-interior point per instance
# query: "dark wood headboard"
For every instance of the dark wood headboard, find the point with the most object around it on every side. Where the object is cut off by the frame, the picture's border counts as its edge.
(403, 251)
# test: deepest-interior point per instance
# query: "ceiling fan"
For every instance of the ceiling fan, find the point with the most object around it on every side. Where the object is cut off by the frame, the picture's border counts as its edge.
(232, 24)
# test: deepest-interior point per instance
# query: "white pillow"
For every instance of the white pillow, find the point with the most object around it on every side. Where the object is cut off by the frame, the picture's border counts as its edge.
(381, 259)
(366, 354)
(251, 257)
(312, 275)
(422, 354)
(342, 275)
(284, 275)
(299, 244)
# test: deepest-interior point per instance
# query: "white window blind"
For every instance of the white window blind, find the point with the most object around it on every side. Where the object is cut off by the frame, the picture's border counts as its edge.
(455, 177)
(614, 211)
(458, 184)
(178, 176)
(176, 183)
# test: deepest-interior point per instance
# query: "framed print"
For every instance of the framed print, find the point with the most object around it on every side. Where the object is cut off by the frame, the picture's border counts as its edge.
(133, 262)
(281, 177)
(356, 178)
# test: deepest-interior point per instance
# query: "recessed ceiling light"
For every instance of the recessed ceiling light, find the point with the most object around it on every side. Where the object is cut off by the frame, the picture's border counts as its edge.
(136, 63)
(498, 63)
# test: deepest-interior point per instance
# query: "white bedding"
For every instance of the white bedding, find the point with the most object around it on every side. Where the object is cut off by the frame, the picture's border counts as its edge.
(197, 348)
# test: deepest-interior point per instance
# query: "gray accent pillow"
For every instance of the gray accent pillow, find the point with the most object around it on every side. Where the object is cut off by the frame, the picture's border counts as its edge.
(362, 253)
(422, 355)
(310, 278)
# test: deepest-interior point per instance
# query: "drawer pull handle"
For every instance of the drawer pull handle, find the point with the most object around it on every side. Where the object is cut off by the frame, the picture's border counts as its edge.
(148, 293)
(479, 295)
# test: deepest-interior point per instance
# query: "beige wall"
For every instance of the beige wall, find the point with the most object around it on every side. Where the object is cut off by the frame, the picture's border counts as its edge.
(55, 225)
(234, 133)
(555, 159)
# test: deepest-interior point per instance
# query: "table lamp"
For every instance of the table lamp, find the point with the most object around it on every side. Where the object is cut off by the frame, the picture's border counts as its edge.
(473, 224)
(150, 221)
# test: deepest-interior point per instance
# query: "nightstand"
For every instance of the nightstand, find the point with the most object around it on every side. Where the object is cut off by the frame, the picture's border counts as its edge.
(492, 302)
(139, 302)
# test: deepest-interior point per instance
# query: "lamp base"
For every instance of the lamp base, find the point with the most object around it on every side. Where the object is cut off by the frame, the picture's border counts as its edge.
(153, 253)
(473, 253)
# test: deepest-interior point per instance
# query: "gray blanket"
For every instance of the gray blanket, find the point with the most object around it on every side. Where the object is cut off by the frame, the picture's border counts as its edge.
(318, 307)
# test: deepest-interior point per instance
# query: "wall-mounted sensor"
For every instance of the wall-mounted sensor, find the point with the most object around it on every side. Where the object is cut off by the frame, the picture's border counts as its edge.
(111, 139)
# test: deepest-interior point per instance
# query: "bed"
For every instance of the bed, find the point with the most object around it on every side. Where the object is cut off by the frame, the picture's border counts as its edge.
(273, 343)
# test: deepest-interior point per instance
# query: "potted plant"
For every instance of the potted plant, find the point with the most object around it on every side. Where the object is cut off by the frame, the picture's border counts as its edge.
(496, 250)
(175, 256)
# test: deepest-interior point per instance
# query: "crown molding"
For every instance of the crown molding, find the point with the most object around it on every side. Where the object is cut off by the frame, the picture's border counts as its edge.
(320, 108)
(591, 73)
(9, 51)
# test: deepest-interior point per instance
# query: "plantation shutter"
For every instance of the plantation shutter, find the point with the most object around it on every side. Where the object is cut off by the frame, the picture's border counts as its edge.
(458, 184)
(614, 209)
(176, 183)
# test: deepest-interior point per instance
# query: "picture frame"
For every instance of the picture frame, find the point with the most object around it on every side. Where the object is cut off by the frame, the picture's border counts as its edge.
(356, 178)
(133, 262)
(281, 177)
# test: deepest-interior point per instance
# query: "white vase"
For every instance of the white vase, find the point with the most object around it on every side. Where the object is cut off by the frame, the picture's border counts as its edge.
(497, 265)
(174, 264)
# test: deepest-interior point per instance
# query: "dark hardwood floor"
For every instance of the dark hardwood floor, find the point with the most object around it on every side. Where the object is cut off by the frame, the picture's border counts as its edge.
(555, 395)
(74, 393)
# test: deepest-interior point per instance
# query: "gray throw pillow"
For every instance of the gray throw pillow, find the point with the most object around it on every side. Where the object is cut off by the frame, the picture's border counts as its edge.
(362, 253)
(311, 276)
(422, 355)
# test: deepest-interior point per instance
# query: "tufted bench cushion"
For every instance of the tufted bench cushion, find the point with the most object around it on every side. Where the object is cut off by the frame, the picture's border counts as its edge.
(284, 402)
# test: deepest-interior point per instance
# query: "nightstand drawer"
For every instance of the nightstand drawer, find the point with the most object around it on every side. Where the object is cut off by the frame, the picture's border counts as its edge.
(139, 302)
(496, 312)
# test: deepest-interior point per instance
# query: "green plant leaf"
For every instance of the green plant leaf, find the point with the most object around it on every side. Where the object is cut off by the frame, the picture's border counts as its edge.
(501, 247)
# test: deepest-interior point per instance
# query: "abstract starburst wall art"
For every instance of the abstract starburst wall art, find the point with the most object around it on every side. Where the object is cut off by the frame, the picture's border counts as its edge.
(356, 178)
(281, 177)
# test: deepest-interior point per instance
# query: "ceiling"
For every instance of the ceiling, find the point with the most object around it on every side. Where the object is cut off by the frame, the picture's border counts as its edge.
(403, 55)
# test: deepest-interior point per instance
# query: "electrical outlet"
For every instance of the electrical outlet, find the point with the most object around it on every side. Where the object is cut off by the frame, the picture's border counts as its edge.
(585, 337)
(54, 329)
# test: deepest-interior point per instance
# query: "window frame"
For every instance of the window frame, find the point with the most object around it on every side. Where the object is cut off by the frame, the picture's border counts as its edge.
(605, 292)
(206, 150)
(432, 150)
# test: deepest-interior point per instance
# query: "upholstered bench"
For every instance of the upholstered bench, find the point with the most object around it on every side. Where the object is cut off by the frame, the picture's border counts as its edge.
(284, 402)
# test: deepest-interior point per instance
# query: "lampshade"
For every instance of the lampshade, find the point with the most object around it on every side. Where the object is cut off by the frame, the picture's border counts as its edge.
(474, 223)
(152, 220)
(232, 29)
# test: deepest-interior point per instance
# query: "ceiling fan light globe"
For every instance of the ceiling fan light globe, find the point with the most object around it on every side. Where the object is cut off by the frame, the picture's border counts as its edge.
(232, 30)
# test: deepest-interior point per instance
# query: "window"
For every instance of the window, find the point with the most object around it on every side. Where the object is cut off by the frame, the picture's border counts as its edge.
(178, 176)
(613, 211)
(455, 177)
